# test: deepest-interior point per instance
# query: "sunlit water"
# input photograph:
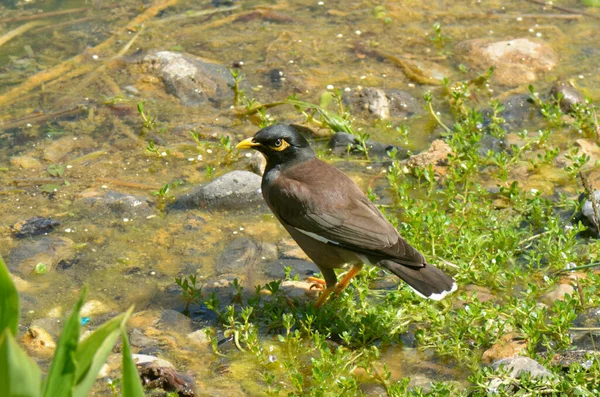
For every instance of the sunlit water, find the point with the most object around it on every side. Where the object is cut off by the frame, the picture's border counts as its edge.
(127, 261)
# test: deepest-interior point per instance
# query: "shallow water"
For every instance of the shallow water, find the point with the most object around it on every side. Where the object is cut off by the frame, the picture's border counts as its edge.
(133, 260)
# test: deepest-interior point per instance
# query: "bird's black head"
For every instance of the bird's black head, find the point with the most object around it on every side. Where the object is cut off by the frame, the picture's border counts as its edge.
(281, 145)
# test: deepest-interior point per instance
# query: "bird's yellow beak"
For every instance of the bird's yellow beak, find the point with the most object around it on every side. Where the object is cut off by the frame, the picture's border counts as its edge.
(247, 144)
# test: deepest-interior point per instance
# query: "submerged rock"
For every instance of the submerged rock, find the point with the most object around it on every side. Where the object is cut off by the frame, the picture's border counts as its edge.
(342, 143)
(301, 290)
(519, 111)
(38, 342)
(25, 162)
(65, 145)
(172, 320)
(191, 79)
(47, 250)
(509, 345)
(516, 367)
(166, 378)
(383, 104)
(115, 203)
(234, 190)
(300, 268)
(34, 226)
(240, 255)
(558, 292)
(516, 62)
(587, 214)
(567, 94)
(436, 155)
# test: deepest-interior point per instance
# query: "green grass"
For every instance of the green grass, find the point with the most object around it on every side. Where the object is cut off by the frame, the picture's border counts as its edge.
(515, 241)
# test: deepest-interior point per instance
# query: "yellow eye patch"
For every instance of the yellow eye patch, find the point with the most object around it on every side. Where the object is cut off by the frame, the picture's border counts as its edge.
(282, 146)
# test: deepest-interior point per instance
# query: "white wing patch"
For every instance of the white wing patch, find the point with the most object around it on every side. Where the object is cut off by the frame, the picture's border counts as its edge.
(317, 237)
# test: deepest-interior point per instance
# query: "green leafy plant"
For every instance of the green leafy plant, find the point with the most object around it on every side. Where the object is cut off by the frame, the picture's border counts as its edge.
(75, 364)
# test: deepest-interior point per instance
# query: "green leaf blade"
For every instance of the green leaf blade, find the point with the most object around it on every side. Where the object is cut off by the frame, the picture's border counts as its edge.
(19, 375)
(94, 350)
(131, 386)
(61, 376)
(9, 301)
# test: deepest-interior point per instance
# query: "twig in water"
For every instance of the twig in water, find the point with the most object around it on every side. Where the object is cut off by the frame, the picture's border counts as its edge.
(18, 31)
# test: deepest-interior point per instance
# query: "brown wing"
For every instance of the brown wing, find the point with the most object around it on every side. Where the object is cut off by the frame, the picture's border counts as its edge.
(332, 209)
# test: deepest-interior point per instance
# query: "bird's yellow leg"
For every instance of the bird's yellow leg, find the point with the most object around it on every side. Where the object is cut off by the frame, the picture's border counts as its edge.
(323, 297)
(346, 280)
(316, 280)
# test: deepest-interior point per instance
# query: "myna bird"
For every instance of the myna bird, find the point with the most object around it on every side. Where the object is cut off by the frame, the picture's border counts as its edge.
(332, 220)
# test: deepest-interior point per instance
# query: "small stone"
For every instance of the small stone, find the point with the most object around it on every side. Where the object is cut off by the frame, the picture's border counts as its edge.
(93, 308)
(49, 250)
(20, 284)
(300, 268)
(234, 190)
(515, 367)
(26, 162)
(155, 376)
(301, 290)
(569, 95)
(590, 148)
(65, 145)
(289, 249)
(518, 365)
(141, 359)
(103, 203)
(436, 156)
(258, 163)
(138, 339)
(34, 226)
(509, 345)
(193, 80)
(342, 143)
(172, 320)
(558, 292)
(52, 325)
(239, 255)
(38, 342)
(199, 337)
(516, 62)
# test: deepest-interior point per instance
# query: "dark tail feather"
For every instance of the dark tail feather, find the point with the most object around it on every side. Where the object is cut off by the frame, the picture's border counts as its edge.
(427, 281)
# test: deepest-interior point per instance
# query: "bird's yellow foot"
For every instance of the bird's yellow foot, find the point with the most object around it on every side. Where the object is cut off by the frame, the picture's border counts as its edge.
(317, 283)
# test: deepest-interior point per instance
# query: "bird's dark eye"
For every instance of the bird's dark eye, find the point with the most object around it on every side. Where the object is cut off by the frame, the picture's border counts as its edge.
(278, 142)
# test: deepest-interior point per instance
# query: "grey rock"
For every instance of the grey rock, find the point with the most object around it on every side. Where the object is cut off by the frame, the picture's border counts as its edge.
(194, 81)
(172, 320)
(569, 95)
(52, 325)
(258, 163)
(34, 226)
(518, 111)
(143, 359)
(199, 337)
(237, 256)
(516, 366)
(341, 141)
(49, 250)
(588, 319)
(234, 190)
(587, 213)
(383, 104)
(116, 203)
(138, 339)
(303, 269)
